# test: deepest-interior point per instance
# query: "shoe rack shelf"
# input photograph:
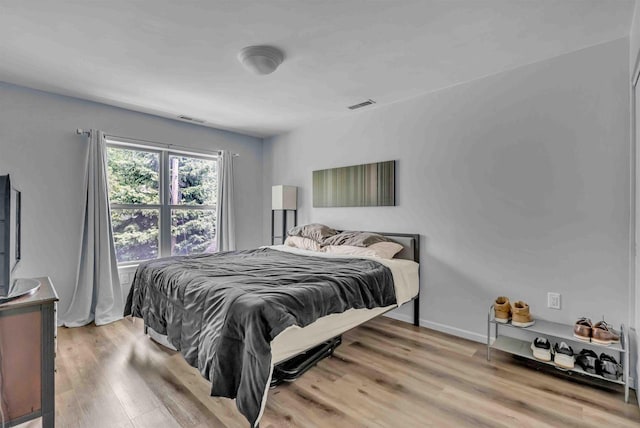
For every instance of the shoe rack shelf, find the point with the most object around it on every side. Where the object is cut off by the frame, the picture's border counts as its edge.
(554, 330)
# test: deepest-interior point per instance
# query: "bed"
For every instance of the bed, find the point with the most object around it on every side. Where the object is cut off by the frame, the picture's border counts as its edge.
(236, 315)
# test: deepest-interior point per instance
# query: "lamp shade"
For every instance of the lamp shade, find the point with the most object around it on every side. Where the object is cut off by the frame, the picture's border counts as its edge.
(284, 197)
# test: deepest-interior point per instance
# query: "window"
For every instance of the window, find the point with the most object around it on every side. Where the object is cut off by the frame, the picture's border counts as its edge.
(163, 203)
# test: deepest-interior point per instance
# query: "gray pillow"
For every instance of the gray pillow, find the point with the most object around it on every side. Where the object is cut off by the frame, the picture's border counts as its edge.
(356, 239)
(317, 232)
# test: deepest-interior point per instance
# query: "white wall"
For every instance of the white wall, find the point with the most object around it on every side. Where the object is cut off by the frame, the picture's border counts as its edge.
(517, 182)
(634, 37)
(634, 292)
(40, 149)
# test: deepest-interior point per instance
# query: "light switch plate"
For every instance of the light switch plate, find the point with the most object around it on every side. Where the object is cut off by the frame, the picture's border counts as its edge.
(553, 300)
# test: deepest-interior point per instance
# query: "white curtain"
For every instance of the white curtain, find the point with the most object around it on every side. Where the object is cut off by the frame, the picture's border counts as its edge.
(98, 294)
(226, 222)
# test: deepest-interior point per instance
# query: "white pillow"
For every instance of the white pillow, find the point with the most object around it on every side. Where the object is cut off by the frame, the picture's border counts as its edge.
(303, 243)
(349, 250)
(383, 250)
(386, 250)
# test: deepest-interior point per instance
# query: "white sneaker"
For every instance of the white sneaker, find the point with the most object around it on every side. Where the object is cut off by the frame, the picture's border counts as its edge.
(541, 348)
(564, 356)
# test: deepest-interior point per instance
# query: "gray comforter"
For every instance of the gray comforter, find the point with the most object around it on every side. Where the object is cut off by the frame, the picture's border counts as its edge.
(222, 310)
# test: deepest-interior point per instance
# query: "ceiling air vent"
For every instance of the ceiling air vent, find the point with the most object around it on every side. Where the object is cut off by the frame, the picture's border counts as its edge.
(362, 104)
(190, 119)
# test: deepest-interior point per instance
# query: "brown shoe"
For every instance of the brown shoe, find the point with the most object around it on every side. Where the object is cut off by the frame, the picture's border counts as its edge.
(603, 334)
(520, 315)
(582, 329)
(502, 310)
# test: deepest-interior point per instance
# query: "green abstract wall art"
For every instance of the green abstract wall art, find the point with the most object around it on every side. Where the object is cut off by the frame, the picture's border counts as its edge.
(367, 185)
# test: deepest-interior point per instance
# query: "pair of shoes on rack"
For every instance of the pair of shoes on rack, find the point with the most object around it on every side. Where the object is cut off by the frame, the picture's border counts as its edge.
(561, 354)
(605, 366)
(518, 313)
(600, 333)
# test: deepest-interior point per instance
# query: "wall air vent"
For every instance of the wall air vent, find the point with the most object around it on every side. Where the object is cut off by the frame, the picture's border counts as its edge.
(191, 119)
(362, 104)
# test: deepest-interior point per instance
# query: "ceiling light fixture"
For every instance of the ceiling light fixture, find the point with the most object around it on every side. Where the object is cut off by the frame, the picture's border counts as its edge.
(261, 59)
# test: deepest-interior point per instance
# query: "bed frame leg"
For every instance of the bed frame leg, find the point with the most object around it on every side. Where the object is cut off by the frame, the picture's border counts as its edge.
(416, 311)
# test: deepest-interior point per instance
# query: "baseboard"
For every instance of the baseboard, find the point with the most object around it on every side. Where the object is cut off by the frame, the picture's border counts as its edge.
(443, 328)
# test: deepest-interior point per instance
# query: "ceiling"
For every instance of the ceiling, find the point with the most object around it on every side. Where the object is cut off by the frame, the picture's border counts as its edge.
(179, 58)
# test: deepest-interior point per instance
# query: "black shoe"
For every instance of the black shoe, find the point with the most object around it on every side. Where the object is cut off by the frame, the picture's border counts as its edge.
(608, 367)
(587, 360)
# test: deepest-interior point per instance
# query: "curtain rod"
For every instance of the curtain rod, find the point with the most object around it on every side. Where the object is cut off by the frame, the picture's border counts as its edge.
(81, 131)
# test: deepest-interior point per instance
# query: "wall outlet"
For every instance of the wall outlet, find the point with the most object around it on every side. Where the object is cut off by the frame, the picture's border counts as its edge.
(553, 300)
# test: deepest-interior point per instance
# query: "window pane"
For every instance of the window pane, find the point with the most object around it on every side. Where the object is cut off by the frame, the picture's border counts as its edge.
(135, 233)
(193, 231)
(194, 181)
(133, 176)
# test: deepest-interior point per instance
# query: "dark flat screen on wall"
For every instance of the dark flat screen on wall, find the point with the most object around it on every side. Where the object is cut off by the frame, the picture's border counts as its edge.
(9, 232)
(366, 185)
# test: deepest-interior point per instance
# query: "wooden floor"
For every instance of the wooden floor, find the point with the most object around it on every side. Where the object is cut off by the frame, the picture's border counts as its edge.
(385, 374)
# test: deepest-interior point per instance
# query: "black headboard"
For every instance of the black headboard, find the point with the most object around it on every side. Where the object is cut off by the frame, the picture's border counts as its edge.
(410, 242)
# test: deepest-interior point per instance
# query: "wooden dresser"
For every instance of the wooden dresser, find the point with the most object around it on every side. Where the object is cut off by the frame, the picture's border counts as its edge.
(27, 357)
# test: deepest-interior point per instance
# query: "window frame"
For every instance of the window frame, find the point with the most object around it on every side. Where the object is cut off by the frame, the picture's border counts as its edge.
(164, 188)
